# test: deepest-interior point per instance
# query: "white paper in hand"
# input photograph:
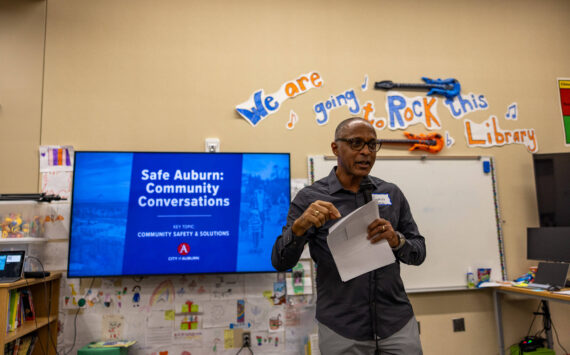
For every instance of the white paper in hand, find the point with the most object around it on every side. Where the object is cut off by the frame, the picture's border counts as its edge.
(352, 252)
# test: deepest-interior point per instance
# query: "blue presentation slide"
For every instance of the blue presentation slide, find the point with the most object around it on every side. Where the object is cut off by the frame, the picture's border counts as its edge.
(176, 213)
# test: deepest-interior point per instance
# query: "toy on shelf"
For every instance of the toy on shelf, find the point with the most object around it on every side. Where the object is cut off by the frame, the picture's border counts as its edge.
(14, 226)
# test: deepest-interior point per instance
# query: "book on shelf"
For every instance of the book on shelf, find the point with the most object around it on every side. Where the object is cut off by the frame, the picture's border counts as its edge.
(21, 346)
(16, 346)
(24, 345)
(20, 309)
(28, 305)
(13, 306)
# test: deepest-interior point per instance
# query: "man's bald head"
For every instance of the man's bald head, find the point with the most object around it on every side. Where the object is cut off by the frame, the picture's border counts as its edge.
(338, 133)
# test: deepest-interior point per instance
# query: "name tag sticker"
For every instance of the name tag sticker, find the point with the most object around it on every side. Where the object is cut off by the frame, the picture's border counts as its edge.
(382, 199)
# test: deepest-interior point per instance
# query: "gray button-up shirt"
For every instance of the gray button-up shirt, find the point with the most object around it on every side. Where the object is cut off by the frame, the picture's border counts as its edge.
(349, 308)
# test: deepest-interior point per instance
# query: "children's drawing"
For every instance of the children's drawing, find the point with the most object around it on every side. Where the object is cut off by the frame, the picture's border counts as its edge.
(56, 158)
(263, 341)
(136, 295)
(218, 314)
(240, 311)
(192, 338)
(159, 328)
(113, 325)
(279, 292)
(257, 312)
(276, 319)
(162, 294)
(299, 281)
(256, 284)
(57, 183)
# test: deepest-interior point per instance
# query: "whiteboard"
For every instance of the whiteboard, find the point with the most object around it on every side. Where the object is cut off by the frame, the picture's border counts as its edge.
(454, 204)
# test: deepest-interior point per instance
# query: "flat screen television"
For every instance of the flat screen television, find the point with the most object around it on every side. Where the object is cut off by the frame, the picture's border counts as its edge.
(548, 244)
(552, 178)
(155, 213)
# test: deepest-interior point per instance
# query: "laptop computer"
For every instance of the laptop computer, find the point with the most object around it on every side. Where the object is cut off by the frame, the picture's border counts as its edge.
(550, 274)
(11, 265)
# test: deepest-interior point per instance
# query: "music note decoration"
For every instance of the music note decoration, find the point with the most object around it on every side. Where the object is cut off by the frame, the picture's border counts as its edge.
(512, 112)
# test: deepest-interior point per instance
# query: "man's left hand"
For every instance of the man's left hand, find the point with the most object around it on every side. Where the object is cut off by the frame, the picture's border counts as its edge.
(382, 229)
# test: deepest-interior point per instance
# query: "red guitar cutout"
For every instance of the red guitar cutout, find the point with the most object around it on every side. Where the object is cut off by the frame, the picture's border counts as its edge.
(430, 142)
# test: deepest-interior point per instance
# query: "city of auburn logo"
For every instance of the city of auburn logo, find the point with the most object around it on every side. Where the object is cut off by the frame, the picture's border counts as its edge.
(184, 249)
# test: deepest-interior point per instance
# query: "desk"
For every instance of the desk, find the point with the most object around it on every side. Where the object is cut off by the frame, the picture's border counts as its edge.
(529, 293)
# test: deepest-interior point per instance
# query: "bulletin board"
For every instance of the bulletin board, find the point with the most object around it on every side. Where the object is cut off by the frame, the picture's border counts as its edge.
(455, 205)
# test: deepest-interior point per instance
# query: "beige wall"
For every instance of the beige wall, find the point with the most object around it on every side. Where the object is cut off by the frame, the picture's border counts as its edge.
(163, 76)
(22, 33)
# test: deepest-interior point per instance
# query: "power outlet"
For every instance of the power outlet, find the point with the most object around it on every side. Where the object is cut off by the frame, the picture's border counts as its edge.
(212, 145)
(246, 339)
(459, 325)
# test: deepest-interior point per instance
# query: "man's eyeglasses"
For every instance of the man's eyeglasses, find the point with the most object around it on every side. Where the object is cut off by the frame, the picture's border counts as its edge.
(359, 143)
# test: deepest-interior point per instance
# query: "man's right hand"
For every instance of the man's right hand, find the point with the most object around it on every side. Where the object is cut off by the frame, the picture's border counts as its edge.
(316, 215)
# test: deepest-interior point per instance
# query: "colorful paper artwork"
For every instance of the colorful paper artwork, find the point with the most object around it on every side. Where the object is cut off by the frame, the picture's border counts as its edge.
(404, 112)
(56, 158)
(489, 134)
(192, 338)
(276, 320)
(462, 105)
(449, 140)
(347, 98)
(299, 281)
(368, 111)
(163, 293)
(57, 183)
(511, 113)
(219, 314)
(364, 85)
(293, 118)
(257, 312)
(564, 90)
(279, 292)
(113, 325)
(259, 105)
(268, 342)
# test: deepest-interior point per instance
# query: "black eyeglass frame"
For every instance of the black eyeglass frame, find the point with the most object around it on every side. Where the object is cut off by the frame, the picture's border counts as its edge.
(374, 145)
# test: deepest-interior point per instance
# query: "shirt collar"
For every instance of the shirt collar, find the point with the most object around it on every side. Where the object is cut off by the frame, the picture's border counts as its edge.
(335, 185)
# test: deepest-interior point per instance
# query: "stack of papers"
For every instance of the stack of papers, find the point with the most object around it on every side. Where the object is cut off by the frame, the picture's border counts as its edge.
(353, 254)
(112, 344)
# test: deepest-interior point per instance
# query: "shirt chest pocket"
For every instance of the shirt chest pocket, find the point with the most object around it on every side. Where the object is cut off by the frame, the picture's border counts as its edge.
(389, 213)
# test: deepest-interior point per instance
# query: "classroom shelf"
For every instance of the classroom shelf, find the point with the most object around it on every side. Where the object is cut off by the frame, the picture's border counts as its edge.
(45, 298)
(22, 240)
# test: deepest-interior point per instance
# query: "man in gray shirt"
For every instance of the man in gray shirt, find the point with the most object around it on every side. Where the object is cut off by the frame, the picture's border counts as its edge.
(369, 314)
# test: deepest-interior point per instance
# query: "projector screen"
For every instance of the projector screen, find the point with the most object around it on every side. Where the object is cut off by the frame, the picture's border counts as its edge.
(136, 213)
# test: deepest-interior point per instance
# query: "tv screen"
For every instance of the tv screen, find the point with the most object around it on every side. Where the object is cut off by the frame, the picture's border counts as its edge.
(552, 178)
(548, 244)
(137, 213)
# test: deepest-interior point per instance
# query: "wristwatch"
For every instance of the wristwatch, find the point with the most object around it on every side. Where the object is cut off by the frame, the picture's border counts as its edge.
(402, 240)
